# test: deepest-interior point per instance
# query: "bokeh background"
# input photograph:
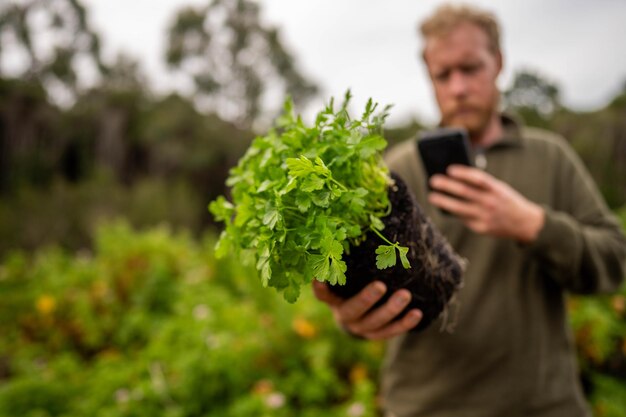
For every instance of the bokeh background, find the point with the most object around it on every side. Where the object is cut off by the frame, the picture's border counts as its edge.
(119, 121)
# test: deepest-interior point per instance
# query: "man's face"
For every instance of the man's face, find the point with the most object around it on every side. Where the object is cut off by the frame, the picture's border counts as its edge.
(463, 71)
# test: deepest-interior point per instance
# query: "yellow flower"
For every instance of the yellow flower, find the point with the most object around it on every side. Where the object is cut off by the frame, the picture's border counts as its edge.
(45, 304)
(99, 289)
(263, 387)
(304, 328)
(619, 303)
(358, 373)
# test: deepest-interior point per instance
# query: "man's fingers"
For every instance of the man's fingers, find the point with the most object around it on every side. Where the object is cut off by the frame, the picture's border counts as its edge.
(474, 176)
(455, 187)
(323, 293)
(410, 320)
(378, 324)
(385, 313)
(454, 205)
(355, 307)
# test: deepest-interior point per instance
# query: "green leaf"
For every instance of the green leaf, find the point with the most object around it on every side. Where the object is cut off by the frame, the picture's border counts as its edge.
(353, 230)
(354, 138)
(312, 183)
(271, 217)
(320, 167)
(268, 155)
(405, 261)
(321, 198)
(245, 211)
(335, 250)
(292, 293)
(371, 146)
(299, 167)
(361, 192)
(291, 185)
(222, 209)
(376, 222)
(320, 267)
(385, 256)
(264, 186)
(264, 267)
(357, 205)
(331, 247)
(279, 276)
(369, 108)
(303, 201)
(223, 245)
(337, 272)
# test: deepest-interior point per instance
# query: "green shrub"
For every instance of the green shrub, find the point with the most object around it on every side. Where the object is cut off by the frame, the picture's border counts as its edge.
(152, 324)
(599, 326)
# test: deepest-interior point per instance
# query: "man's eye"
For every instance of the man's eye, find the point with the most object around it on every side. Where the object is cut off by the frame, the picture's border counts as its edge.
(442, 76)
(471, 69)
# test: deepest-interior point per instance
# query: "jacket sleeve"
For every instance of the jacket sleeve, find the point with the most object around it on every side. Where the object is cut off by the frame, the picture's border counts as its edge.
(582, 245)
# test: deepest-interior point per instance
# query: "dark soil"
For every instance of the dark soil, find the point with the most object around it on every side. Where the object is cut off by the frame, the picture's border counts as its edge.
(436, 270)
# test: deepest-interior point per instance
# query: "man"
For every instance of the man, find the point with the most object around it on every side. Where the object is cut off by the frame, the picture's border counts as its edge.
(531, 224)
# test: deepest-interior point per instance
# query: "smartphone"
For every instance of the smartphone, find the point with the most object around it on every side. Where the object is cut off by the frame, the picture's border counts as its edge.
(441, 148)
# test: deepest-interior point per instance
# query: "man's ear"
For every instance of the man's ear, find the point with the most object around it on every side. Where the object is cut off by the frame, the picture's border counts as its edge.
(499, 61)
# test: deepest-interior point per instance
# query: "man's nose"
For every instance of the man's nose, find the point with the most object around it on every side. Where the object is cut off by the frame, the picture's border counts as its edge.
(458, 83)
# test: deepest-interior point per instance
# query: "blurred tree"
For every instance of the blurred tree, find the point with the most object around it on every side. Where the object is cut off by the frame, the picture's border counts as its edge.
(619, 101)
(43, 47)
(105, 125)
(52, 39)
(235, 61)
(184, 143)
(599, 137)
(29, 128)
(408, 130)
(533, 97)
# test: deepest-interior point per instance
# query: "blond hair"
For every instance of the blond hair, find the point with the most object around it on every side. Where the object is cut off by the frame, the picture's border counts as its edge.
(448, 16)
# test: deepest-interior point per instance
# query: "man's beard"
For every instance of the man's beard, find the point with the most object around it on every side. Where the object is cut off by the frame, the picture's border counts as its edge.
(475, 122)
(475, 119)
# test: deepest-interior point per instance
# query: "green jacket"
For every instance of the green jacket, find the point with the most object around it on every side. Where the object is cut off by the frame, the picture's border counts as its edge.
(511, 352)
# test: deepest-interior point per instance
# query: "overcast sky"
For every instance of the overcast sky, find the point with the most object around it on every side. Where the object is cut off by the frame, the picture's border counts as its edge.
(371, 46)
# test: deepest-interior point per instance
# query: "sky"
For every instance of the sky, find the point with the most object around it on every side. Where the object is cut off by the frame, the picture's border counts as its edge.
(372, 47)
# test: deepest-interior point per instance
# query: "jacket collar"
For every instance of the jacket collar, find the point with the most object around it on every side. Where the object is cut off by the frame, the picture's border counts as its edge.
(511, 131)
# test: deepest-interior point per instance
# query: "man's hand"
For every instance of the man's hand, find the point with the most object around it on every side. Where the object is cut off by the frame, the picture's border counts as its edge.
(487, 205)
(352, 314)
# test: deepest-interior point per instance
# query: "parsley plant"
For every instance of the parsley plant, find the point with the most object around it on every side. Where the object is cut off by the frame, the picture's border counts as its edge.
(302, 195)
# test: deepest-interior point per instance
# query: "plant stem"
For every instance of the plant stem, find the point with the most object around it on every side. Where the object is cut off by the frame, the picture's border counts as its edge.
(382, 237)
(343, 187)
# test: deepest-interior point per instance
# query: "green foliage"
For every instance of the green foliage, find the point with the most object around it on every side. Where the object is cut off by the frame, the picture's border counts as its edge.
(302, 195)
(609, 396)
(152, 324)
(67, 214)
(32, 397)
(599, 325)
(387, 256)
(533, 95)
(116, 152)
(597, 136)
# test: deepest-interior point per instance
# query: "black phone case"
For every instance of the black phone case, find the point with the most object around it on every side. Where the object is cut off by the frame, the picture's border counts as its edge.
(443, 147)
